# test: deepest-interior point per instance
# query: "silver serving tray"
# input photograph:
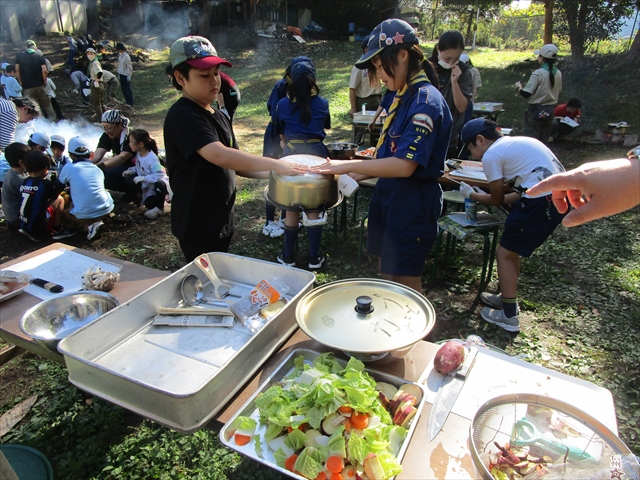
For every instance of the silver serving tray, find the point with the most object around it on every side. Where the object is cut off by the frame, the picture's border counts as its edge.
(180, 376)
(249, 409)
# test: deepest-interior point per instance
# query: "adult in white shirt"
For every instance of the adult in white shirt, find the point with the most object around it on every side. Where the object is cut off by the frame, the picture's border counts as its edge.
(521, 163)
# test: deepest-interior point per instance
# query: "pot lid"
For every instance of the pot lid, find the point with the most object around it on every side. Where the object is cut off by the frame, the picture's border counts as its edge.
(365, 315)
(307, 160)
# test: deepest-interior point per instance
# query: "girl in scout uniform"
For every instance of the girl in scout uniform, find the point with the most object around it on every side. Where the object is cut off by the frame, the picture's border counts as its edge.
(542, 92)
(301, 119)
(407, 200)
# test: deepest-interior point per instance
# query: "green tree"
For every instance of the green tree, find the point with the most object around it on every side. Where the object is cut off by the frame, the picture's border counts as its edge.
(587, 21)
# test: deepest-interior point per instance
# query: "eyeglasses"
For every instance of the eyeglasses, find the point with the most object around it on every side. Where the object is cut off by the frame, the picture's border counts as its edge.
(109, 127)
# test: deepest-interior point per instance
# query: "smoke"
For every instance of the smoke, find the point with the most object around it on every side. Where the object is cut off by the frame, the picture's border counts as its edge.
(68, 129)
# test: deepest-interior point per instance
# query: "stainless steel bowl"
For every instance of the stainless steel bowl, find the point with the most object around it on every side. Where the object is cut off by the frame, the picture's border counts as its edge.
(310, 191)
(52, 320)
(366, 318)
(578, 445)
(342, 150)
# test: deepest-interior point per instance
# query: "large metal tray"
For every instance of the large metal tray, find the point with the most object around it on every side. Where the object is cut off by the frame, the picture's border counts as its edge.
(179, 376)
(249, 409)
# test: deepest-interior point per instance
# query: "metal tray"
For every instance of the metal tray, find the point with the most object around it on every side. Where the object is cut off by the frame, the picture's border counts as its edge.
(180, 377)
(249, 410)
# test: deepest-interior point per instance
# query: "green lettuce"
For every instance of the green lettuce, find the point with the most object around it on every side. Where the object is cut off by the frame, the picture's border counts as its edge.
(357, 447)
(273, 430)
(295, 439)
(280, 457)
(327, 362)
(247, 425)
(390, 464)
(307, 465)
(258, 446)
(336, 443)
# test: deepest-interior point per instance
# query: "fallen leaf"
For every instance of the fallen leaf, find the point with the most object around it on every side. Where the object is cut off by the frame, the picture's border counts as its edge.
(10, 418)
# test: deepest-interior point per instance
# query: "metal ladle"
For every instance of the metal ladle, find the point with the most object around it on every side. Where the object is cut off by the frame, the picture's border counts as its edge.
(193, 292)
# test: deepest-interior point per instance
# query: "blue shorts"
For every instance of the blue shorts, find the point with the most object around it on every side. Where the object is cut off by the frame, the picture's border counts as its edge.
(403, 224)
(529, 224)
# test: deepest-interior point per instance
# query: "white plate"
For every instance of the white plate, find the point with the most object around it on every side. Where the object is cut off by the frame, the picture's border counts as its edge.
(19, 282)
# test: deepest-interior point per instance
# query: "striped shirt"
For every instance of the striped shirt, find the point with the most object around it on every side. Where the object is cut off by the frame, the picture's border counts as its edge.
(8, 122)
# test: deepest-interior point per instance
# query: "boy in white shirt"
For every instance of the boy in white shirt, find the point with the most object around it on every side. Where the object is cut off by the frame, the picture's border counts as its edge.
(520, 162)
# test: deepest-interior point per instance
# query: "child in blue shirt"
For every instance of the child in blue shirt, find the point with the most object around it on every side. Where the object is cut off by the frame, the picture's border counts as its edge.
(12, 88)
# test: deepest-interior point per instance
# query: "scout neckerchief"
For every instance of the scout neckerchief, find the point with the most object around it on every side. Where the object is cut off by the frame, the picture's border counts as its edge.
(545, 65)
(417, 78)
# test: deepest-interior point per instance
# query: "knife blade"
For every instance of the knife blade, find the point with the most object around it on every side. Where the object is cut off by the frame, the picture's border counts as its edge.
(447, 395)
(50, 286)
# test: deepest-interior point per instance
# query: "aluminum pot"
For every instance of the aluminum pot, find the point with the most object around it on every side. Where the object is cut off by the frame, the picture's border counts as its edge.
(307, 192)
(366, 318)
(618, 128)
(342, 150)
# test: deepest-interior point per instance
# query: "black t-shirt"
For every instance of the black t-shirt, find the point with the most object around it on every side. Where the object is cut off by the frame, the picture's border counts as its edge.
(203, 193)
(31, 69)
(113, 145)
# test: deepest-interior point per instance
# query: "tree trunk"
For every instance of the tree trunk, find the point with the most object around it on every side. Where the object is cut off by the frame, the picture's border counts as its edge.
(634, 52)
(548, 21)
(205, 21)
(469, 25)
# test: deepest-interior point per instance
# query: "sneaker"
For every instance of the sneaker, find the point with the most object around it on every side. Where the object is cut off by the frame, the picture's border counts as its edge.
(272, 229)
(28, 235)
(63, 233)
(155, 212)
(316, 263)
(497, 317)
(92, 230)
(494, 300)
(286, 261)
(280, 222)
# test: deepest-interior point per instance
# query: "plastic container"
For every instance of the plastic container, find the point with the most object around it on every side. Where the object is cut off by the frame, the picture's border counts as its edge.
(247, 309)
(471, 210)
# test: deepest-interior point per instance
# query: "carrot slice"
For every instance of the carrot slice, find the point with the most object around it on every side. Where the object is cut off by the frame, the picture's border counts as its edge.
(359, 420)
(241, 439)
(290, 462)
(345, 409)
(334, 464)
(335, 476)
(321, 476)
(347, 426)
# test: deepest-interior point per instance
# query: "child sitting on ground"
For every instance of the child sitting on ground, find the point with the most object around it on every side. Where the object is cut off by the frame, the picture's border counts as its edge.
(90, 201)
(560, 129)
(14, 154)
(42, 206)
(58, 145)
(39, 141)
(148, 174)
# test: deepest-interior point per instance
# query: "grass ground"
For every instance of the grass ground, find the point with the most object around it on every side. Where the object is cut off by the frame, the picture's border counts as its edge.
(580, 292)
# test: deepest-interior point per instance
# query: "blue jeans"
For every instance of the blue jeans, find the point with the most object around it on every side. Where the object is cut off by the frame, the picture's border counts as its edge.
(125, 84)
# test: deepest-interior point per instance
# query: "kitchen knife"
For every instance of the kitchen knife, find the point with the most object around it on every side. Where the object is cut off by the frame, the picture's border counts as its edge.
(52, 287)
(447, 395)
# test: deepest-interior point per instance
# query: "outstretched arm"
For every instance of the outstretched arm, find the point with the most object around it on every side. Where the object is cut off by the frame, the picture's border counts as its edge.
(595, 189)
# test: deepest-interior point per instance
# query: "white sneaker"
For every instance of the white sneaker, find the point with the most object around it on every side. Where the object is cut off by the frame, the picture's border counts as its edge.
(155, 212)
(497, 317)
(280, 222)
(92, 230)
(272, 229)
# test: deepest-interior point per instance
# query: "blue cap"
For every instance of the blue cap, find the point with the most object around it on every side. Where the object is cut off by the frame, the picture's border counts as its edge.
(475, 127)
(302, 68)
(301, 58)
(40, 138)
(388, 33)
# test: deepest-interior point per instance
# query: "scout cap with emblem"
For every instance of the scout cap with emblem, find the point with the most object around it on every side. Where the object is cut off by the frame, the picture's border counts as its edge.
(197, 52)
(547, 51)
(388, 33)
(59, 139)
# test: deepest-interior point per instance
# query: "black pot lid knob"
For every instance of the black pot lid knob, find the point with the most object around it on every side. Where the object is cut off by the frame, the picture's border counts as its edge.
(364, 304)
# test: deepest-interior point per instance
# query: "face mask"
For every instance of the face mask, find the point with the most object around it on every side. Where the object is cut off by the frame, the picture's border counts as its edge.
(444, 64)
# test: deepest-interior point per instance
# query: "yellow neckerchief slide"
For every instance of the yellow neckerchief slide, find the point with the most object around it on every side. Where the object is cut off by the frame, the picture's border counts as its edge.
(417, 78)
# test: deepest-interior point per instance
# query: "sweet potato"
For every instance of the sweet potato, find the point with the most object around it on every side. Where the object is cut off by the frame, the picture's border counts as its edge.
(449, 357)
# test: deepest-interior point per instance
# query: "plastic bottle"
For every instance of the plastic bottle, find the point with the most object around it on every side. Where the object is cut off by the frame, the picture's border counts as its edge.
(471, 210)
